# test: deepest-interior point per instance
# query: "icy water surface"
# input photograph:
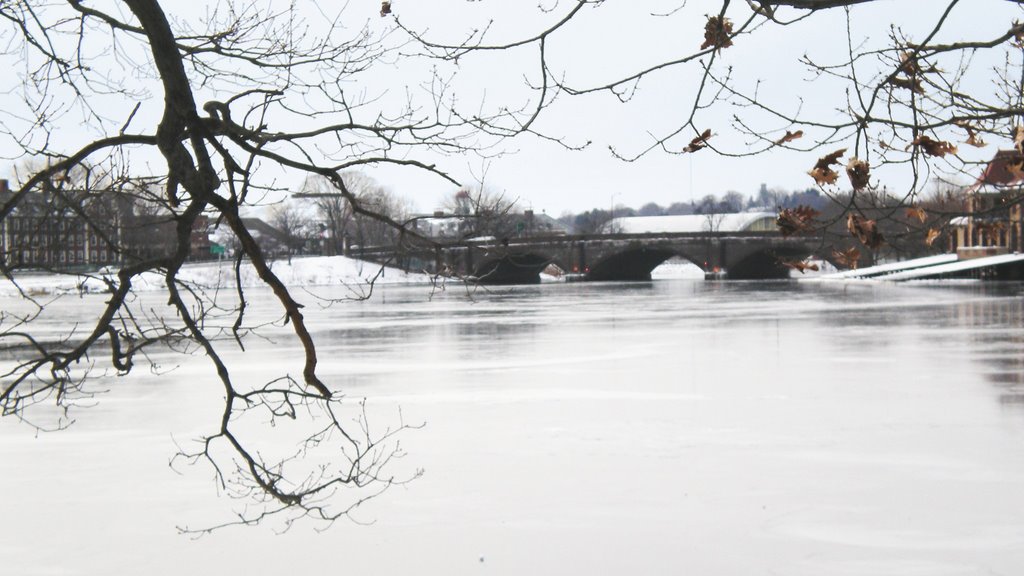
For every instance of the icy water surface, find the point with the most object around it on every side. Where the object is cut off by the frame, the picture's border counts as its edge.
(659, 428)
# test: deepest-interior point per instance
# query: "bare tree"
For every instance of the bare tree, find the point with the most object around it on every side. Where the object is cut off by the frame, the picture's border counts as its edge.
(651, 209)
(332, 212)
(709, 204)
(732, 202)
(294, 226)
(251, 94)
(367, 229)
(591, 221)
(483, 211)
(679, 209)
(344, 224)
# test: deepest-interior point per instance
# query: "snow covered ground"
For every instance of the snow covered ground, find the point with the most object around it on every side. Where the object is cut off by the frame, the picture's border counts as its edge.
(309, 271)
(306, 271)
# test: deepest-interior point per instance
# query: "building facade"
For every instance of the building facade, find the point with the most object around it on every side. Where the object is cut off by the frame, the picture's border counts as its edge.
(60, 228)
(993, 224)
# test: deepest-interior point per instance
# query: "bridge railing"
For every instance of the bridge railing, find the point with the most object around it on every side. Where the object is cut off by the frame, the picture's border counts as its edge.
(537, 239)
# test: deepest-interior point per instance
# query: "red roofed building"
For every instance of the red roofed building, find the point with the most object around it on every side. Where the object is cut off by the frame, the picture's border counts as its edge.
(993, 222)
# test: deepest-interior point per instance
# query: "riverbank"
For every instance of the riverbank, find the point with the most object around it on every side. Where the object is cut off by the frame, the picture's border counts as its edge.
(298, 272)
(309, 271)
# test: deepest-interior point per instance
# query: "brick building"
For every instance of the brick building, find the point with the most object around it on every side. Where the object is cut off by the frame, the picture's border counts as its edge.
(60, 228)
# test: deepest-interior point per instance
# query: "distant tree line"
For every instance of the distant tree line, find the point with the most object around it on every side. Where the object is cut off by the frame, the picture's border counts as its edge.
(907, 232)
(326, 223)
(319, 219)
(767, 199)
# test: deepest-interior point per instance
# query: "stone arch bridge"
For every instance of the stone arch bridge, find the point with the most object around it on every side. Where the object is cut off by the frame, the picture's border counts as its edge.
(733, 255)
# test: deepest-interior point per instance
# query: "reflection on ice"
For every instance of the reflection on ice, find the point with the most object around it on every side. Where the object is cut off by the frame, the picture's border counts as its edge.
(655, 428)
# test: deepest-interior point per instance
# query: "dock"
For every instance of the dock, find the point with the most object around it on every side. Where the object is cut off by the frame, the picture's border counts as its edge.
(943, 266)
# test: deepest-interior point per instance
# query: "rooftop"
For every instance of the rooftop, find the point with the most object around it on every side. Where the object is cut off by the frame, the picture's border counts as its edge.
(743, 221)
(1004, 170)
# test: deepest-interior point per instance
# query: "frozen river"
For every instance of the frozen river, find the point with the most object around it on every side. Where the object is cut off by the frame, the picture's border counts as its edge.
(662, 428)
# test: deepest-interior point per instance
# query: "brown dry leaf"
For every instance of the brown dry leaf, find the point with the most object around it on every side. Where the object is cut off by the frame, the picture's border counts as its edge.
(698, 142)
(864, 230)
(795, 220)
(859, 173)
(972, 134)
(932, 235)
(789, 137)
(934, 147)
(916, 213)
(385, 8)
(822, 172)
(1016, 170)
(824, 176)
(912, 84)
(1018, 138)
(912, 71)
(847, 258)
(801, 266)
(908, 64)
(716, 33)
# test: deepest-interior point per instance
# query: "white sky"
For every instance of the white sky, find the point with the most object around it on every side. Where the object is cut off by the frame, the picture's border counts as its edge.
(621, 37)
(618, 37)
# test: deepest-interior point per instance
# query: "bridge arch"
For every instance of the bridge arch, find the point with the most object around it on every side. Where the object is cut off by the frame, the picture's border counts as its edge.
(766, 264)
(634, 263)
(512, 269)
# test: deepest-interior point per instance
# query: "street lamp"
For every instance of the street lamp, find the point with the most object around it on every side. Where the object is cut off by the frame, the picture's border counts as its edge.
(611, 211)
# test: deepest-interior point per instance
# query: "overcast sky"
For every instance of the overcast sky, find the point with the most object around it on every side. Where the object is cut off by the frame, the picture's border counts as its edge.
(604, 43)
(623, 36)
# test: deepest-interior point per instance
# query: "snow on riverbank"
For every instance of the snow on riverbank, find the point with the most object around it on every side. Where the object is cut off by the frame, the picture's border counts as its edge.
(310, 271)
(305, 271)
